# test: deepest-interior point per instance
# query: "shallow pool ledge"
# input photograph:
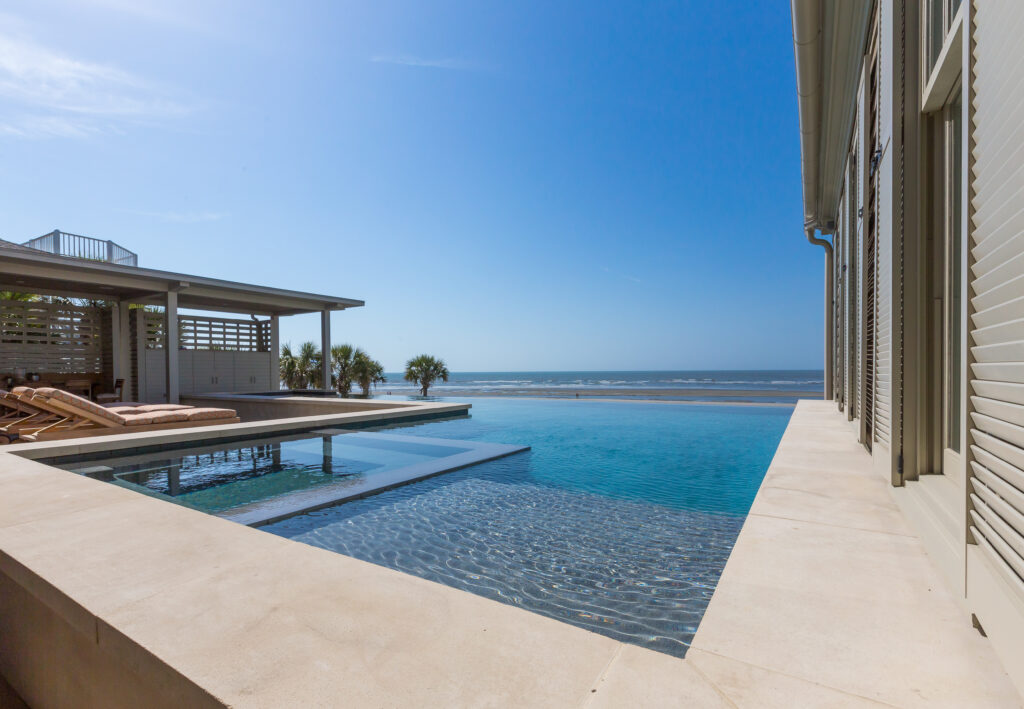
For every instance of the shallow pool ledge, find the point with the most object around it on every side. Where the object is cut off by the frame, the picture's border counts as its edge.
(829, 598)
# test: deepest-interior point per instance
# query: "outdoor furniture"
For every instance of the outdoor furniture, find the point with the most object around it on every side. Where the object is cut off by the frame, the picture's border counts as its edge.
(20, 415)
(107, 398)
(77, 417)
(13, 411)
(82, 387)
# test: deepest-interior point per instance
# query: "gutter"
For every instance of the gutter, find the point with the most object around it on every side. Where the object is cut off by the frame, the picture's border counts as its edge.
(807, 47)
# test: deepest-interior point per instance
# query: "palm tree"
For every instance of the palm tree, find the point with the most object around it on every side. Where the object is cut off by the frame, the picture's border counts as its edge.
(288, 364)
(342, 367)
(425, 370)
(14, 295)
(308, 365)
(367, 372)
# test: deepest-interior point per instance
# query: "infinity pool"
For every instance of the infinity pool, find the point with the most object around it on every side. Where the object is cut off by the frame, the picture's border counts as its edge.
(619, 520)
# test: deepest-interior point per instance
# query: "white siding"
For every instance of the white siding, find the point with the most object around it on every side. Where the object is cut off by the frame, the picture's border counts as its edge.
(997, 286)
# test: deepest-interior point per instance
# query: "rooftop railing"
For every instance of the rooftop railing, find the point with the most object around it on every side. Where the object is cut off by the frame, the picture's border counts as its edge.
(84, 247)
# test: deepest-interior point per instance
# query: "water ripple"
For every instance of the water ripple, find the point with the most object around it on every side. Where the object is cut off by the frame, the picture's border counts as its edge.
(637, 572)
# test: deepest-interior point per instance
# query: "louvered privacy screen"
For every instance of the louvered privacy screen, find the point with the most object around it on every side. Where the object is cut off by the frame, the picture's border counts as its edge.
(997, 287)
(50, 337)
(210, 333)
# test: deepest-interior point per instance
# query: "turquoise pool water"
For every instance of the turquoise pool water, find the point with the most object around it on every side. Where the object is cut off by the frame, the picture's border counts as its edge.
(619, 520)
(225, 476)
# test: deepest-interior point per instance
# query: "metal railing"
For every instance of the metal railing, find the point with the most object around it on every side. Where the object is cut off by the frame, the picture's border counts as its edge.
(84, 247)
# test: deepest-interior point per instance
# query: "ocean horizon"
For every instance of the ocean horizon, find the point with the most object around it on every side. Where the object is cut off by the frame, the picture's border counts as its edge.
(665, 383)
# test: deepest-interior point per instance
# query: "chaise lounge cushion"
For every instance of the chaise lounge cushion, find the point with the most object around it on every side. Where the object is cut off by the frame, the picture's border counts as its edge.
(124, 410)
(80, 403)
(151, 417)
(207, 414)
(146, 408)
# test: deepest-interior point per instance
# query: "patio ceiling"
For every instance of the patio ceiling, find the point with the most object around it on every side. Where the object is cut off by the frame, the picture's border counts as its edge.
(26, 270)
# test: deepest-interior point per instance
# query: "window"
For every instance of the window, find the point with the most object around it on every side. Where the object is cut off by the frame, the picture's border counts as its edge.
(944, 265)
(939, 16)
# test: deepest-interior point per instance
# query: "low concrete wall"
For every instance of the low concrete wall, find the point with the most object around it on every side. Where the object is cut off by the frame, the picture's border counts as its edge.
(264, 408)
(54, 653)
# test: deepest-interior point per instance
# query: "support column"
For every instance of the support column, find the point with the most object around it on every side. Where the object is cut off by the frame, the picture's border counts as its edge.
(275, 352)
(171, 346)
(126, 350)
(141, 390)
(118, 338)
(325, 348)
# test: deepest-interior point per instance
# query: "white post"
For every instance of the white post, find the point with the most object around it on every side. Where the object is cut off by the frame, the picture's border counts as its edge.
(171, 346)
(126, 351)
(119, 349)
(140, 392)
(117, 334)
(275, 352)
(325, 348)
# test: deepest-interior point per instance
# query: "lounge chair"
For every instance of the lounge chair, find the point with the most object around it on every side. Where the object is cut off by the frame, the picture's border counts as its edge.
(78, 417)
(12, 411)
(21, 414)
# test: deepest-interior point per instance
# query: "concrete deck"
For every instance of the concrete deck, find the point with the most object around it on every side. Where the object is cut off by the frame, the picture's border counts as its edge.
(829, 598)
(339, 414)
(110, 598)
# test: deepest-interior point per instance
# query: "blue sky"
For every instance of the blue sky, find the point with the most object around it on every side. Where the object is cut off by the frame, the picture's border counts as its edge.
(510, 186)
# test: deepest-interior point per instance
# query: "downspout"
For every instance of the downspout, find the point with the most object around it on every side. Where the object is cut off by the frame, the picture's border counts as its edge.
(829, 295)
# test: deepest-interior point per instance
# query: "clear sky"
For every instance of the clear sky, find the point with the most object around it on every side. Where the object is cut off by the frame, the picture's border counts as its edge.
(510, 186)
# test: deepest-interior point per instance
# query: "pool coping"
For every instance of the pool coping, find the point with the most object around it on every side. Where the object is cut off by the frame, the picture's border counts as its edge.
(400, 412)
(829, 597)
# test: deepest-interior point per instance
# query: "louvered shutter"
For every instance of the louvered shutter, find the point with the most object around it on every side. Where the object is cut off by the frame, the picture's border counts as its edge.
(853, 279)
(844, 212)
(997, 285)
(859, 258)
(883, 316)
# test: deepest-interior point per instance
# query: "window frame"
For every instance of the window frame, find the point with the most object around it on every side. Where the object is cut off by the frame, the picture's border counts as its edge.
(953, 282)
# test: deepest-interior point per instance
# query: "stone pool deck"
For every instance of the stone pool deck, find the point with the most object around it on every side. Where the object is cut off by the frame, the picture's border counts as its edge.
(109, 598)
(829, 598)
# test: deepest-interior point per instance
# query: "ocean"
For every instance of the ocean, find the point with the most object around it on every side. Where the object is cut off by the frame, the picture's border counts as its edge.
(727, 385)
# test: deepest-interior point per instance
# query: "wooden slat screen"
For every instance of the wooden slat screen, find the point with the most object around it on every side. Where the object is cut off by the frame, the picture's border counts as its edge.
(51, 337)
(211, 333)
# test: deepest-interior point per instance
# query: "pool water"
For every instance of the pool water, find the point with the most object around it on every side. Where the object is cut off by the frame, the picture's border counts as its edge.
(223, 477)
(619, 520)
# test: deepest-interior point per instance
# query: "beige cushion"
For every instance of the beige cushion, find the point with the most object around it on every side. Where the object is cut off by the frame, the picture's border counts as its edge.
(146, 408)
(124, 410)
(153, 417)
(207, 414)
(79, 402)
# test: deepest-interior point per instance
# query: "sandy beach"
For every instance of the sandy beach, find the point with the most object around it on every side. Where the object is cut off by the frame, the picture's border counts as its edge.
(726, 396)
